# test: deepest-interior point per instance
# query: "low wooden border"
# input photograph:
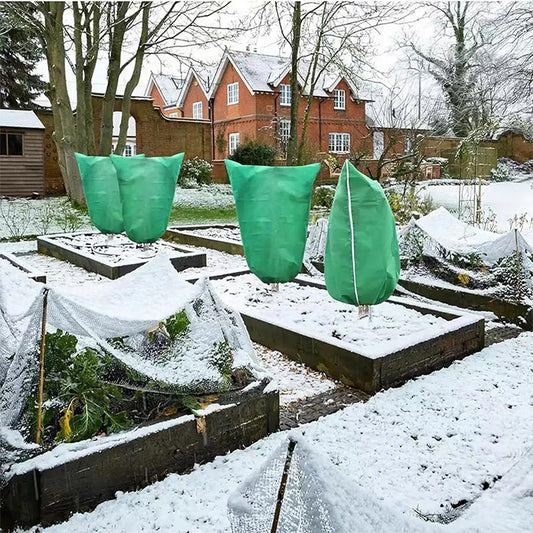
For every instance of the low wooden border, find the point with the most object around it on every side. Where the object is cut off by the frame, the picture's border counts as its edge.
(184, 258)
(50, 494)
(519, 314)
(16, 261)
(185, 235)
(340, 360)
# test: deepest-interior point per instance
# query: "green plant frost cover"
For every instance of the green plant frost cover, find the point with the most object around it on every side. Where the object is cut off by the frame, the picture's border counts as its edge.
(273, 206)
(147, 189)
(362, 263)
(100, 185)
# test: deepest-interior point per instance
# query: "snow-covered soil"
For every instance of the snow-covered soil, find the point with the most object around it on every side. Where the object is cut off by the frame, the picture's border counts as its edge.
(505, 199)
(227, 234)
(58, 271)
(295, 381)
(113, 249)
(311, 310)
(461, 434)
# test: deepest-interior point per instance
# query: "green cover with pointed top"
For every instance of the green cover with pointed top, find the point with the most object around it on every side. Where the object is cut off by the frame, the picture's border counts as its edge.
(362, 263)
(273, 205)
(147, 188)
(100, 185)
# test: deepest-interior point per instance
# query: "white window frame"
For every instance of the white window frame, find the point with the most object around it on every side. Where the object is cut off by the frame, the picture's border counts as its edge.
(285, 95)
(233, 93)
(339, 143)
(233, 142)
(284, 132)
(408, 146)
(340, 99)
(129, 150)
(197, 110)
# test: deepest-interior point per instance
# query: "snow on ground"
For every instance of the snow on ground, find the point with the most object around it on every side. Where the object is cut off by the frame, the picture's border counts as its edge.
(505, 199)
(309, 309)
(215, 195)
(295, 381)
(227, 234)
(430, 444)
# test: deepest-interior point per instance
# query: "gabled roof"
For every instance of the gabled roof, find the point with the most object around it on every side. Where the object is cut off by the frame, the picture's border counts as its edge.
(168, 86)
(203, 81)
(15, 118)
(263, 73)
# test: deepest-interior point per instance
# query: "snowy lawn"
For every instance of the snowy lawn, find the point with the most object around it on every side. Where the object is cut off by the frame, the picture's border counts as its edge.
(505, 199)
(24, 217)
(437, 441)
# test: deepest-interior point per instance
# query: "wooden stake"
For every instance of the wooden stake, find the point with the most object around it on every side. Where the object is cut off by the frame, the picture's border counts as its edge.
(41, 373)
(283, 485)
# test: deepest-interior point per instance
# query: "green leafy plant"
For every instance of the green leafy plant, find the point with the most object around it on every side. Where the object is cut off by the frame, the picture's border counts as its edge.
(254, 153)
(323, 196)
(195, 172)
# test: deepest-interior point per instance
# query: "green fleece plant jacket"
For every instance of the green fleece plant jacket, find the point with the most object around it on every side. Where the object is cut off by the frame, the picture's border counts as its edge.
(273, 205)
(362, 263)
(147, 188)
(100, 185)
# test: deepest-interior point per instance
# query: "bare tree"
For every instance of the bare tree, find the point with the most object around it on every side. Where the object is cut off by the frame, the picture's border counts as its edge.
(128, 32)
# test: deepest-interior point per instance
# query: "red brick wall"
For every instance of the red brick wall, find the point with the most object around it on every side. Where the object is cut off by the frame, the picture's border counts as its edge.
(157, 135)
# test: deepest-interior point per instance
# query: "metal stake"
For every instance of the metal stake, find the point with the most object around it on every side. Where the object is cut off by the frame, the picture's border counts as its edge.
(283, 485)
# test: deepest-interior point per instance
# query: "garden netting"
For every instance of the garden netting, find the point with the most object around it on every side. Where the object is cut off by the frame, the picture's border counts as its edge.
(468, 256)
(317, 499)
(156, 332)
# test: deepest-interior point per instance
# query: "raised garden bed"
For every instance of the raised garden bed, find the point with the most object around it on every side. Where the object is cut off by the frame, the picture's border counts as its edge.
(221, 237)
(115, 255)
(404, 339)
(77, 477)
(517, 313)
(25, 267)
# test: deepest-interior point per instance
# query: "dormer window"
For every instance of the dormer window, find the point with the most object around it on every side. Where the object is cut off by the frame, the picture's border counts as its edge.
(340, 99)
(233, 93)
(285, 95)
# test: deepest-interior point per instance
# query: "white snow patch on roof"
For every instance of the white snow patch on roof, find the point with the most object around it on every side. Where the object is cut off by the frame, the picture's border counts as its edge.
(15, 118)
(169, 86)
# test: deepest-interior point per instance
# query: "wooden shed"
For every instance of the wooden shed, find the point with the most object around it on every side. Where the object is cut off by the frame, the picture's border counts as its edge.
(21, 153)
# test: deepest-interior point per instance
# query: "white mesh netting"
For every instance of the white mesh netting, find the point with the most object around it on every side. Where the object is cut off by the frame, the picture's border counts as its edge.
(317, 499)
(163, 335)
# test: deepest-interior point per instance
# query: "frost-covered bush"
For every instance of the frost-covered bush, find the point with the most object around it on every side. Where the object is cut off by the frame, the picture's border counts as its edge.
(195, 172)
(442, 162)
(408, 205)
(323, 196)
(501, 172)
(254, 153)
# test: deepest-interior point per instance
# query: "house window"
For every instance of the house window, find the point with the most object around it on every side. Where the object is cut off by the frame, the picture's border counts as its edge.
(233, 93)
(340, 99)
(128, 150)
(197, 111)
(408, 145)
(284, 132)
(379, 144)
(339, 143)
(11, 144)
(233, 142)
(285, 95)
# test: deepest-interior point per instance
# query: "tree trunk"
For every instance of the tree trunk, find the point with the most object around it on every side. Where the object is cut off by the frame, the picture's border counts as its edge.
(292, 145)
(133, 81)
(64, 134)
(116, 40)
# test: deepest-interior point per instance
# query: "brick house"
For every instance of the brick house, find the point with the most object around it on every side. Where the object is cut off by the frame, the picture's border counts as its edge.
(164, 90)
(249, 99)
(193, 100)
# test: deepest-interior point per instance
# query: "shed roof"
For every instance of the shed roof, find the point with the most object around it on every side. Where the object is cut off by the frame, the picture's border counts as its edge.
(16, 118)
